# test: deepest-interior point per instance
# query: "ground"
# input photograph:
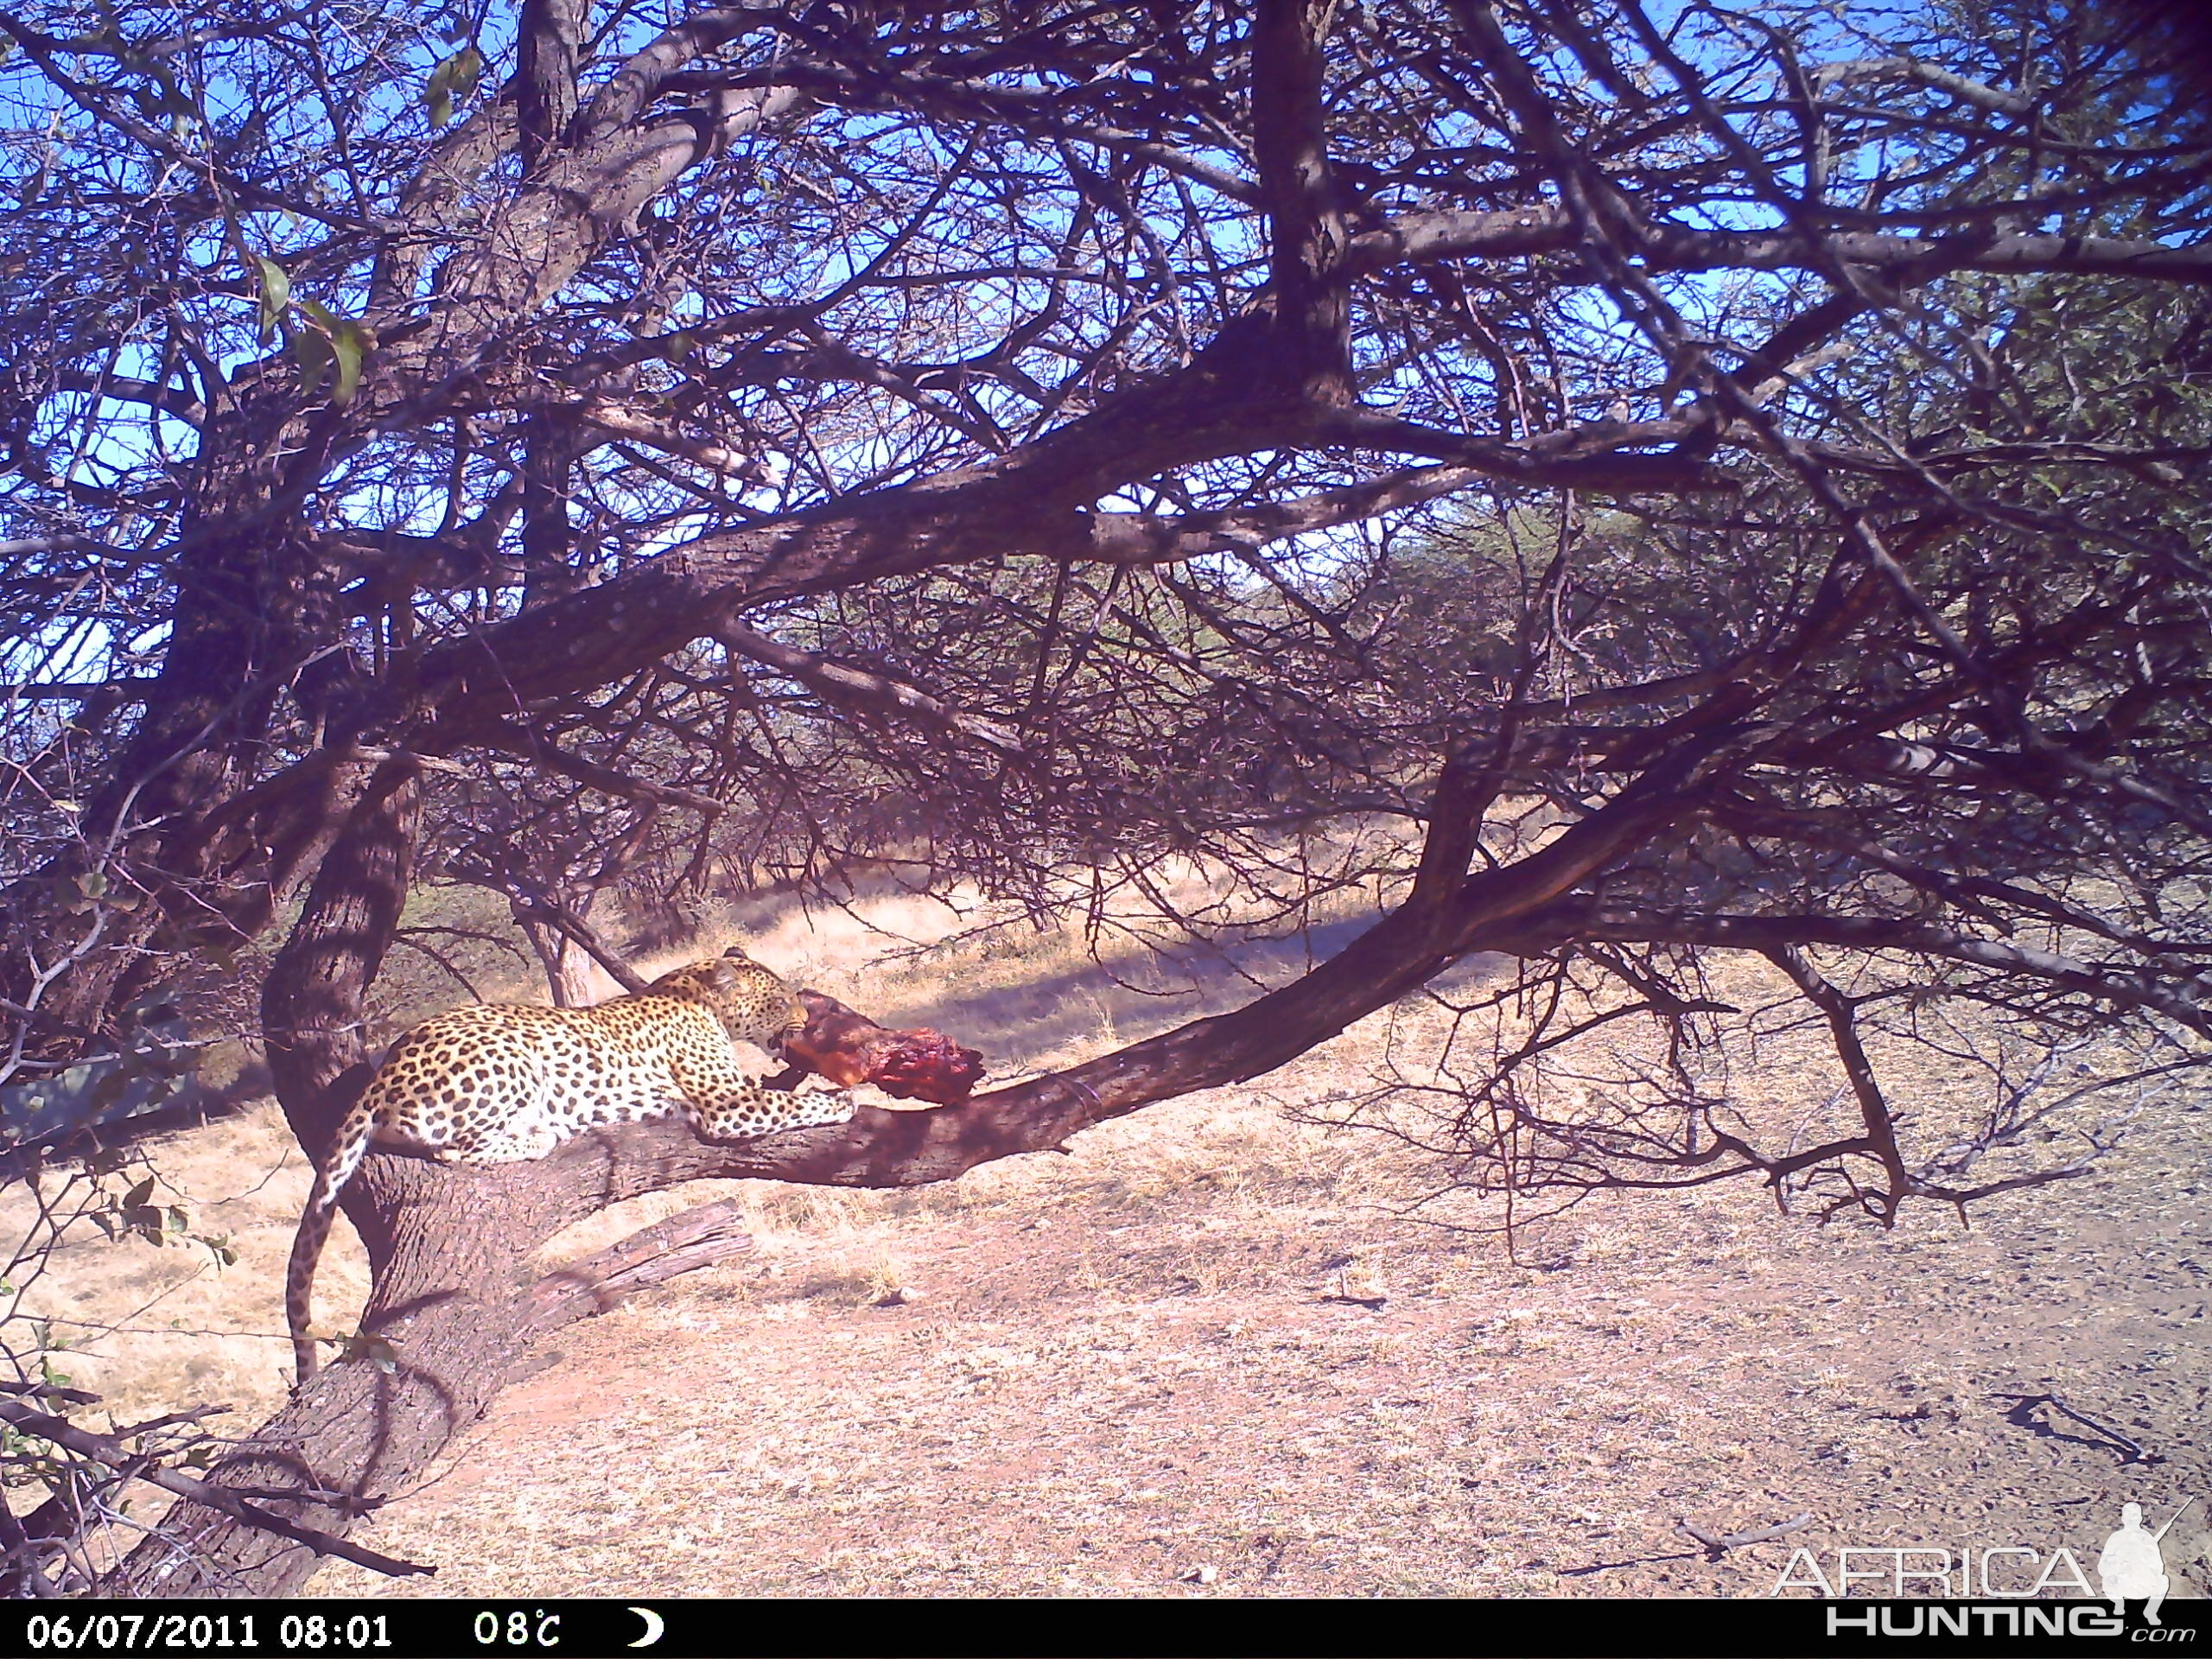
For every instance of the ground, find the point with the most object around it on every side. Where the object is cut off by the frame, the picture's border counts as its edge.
(1099, 1389)
(1133, 1370)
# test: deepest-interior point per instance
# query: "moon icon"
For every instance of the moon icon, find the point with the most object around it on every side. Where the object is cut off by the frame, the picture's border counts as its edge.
(656, 1627)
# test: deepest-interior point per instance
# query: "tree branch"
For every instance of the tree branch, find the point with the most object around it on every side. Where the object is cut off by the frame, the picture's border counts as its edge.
(1417, 239)
(140, 1466)
(2178, 994)
(1306, 234)
(683, 1244)
(854, 688)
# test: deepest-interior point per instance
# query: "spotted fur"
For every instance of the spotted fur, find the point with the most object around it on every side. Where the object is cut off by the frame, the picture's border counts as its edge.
(495, 1085)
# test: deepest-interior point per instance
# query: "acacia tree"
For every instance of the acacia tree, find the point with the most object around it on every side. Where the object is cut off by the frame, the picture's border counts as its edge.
(991, 434)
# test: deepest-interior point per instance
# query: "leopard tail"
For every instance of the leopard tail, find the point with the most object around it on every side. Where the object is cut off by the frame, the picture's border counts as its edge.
(345, 1157)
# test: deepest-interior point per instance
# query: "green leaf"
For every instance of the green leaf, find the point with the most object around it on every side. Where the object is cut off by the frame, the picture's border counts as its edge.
(351, 347)
(376, 1350)
(337, 341)
(276, 294)
(467, 70)
(454, 78)
(93, 883)
(312, 351)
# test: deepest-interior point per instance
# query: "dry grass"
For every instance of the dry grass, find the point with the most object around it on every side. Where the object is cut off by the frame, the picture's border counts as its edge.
(154, 1327)
(1100, 1373)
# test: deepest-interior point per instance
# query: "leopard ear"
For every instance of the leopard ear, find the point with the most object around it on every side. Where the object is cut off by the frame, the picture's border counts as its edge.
(739, 955)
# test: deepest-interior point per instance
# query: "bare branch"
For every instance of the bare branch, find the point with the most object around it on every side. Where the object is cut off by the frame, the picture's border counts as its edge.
(140, 1466)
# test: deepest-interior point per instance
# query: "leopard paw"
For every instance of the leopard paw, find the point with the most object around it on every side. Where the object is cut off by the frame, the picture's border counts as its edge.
(827, 1106)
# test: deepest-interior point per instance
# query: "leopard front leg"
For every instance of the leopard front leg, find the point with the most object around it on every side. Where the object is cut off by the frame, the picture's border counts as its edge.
(725, 1101)
(749, 1109)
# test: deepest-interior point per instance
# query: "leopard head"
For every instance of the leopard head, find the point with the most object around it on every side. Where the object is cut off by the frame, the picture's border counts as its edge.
(753, 1004)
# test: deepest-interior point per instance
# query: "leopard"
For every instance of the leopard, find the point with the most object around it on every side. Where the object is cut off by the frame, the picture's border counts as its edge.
(497, 1082)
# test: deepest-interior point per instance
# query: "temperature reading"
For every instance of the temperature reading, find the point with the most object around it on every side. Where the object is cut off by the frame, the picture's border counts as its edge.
(518, 1630)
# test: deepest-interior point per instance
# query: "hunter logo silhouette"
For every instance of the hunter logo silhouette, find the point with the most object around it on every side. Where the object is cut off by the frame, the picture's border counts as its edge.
(2131, 1564)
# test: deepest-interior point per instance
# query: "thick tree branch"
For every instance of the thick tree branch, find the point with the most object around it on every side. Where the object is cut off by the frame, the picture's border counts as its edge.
(615, 629)
(683, 1244)
(1518, 232)
(1393, 957)
(1307, 237)
(547, 39)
